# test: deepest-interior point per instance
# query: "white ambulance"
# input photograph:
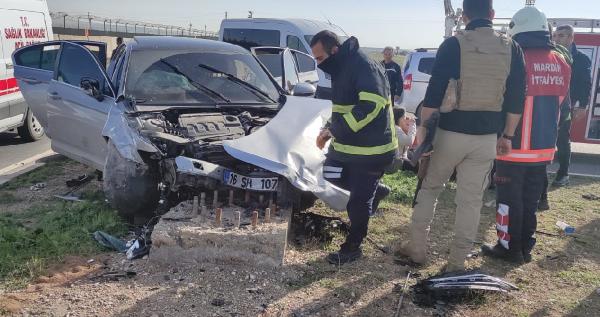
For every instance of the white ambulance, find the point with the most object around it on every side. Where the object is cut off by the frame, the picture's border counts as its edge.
(22, 22)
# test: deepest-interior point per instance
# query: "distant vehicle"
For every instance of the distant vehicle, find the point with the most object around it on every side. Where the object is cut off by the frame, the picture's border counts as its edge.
(295, 34)
(23, 22)
(417, 72)
(154, 121)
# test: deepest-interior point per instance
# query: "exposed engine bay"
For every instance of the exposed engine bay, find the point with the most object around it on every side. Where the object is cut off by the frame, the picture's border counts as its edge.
(192, 160)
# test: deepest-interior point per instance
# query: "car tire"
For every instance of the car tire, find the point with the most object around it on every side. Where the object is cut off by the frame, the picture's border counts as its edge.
(130, 187)
(31, 130)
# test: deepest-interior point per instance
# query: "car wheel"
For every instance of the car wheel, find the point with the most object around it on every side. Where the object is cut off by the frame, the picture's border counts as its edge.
(130, 187)
(31, 130)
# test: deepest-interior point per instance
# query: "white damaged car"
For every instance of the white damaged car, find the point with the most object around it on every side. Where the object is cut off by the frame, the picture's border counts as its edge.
(170, 118)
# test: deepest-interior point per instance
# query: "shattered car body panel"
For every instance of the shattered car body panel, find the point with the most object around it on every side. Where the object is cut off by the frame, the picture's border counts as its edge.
(287, 147)
(183, 117)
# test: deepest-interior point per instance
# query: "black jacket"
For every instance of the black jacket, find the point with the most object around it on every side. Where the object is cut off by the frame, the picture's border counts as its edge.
(447, 66)
(394, 74)
(362, 120)
(581, 80)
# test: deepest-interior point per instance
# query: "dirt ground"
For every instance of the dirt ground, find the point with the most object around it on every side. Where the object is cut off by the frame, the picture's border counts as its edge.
(562, 280)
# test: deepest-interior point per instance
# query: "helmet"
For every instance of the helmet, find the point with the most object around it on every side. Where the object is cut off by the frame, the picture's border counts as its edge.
(528, 19)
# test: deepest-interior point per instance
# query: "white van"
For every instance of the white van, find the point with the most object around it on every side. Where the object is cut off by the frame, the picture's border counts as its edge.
(22, 22)
(293, 33)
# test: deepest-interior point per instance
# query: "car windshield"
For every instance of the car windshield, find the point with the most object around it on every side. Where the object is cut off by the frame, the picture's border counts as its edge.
(176, 77)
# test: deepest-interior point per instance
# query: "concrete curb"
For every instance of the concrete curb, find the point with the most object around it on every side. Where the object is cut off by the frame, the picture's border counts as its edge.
(29, 164)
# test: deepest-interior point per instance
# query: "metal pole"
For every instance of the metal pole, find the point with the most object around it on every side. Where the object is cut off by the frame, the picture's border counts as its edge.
(65, 21)
(125, 28)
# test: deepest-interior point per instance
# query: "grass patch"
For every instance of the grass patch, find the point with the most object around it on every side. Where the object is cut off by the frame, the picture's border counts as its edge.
(61, 229)
(580, 277)
(38, 175)
(403, 186)
(8, 198)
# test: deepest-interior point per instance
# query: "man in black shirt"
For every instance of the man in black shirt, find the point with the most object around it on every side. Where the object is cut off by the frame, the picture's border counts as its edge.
(393, 72)
(478, 86)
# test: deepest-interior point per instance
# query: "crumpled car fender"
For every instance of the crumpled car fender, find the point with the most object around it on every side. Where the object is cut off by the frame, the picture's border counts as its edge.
(127, 139)
(286, 146)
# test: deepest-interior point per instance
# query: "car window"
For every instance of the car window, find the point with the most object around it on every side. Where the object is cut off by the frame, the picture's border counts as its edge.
(39, 56)
(304, 62)
(294, 42)
(426, 65)
(248, 38)
(407, 63)
(185, 77)
(291, 75)
(273, 62)
(76, 63)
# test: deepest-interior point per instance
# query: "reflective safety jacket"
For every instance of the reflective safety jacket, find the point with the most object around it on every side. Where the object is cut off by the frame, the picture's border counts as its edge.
(548, 78)
(362, 123)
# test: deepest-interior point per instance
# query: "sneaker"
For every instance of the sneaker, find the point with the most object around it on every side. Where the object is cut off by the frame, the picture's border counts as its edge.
(382, 192)
(543, 205)
(561, 181)
(344, 256)
(499, 252)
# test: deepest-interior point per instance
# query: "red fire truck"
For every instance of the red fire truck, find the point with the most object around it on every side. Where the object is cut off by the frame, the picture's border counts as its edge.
(586, 122)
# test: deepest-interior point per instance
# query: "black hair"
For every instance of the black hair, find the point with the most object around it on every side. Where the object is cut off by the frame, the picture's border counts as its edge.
(398, 113)
(328, 39)
(119, 40)
(477, 9)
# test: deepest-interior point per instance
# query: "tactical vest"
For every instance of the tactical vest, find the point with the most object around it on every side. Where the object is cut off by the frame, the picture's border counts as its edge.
(485, 59)
(548, 79)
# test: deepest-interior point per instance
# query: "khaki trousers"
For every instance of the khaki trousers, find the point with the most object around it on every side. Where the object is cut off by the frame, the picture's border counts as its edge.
(472, 156)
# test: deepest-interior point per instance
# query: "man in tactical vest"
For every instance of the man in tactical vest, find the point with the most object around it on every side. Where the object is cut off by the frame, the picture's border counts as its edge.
(362, 133)
(521, 174)
(478, 86)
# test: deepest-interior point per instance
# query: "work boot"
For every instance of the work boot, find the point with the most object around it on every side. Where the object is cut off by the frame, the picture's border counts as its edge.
(499, 252)
(561, 181)
(527, 257)
(347, 254)
(543, 205)
(382, 192)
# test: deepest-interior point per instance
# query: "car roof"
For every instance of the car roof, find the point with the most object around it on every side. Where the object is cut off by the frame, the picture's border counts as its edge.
(140, 43)
(306, 26)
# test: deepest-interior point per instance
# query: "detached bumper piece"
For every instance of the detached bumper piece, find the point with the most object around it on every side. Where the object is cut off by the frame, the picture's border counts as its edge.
(458, 288)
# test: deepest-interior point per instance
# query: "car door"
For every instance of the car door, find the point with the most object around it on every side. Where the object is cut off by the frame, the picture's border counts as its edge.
(79, 99)
(34, 69)
(307, 67)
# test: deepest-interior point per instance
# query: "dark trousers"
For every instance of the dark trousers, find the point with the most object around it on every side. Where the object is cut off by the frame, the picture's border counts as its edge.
(362, 183)
(518, 190)
(563, 151)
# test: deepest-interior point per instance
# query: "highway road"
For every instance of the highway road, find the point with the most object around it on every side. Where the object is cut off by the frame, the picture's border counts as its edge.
(13, 149)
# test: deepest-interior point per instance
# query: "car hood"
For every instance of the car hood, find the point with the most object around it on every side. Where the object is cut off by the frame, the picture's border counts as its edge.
(286, 146)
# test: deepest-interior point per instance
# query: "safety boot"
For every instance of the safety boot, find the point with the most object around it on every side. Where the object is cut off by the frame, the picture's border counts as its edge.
(499, 252)
(543, 205)
(348, 253)
(561, 181)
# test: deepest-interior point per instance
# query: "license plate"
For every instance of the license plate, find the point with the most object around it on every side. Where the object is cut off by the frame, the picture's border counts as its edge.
(252, 183)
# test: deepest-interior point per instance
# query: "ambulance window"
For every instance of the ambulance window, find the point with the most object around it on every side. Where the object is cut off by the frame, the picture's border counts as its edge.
(248, 38)
(426, 65)
(294, 43)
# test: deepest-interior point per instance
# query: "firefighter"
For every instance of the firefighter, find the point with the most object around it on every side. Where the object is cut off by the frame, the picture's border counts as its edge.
(362, 133)
(521, 174)
(478, 87)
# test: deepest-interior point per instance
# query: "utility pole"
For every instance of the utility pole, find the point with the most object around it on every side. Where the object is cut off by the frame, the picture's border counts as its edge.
(190, 29)
(250, 13)
(225, 15)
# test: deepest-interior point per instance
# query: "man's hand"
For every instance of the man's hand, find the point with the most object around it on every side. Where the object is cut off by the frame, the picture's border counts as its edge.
(323, 137)
(503, 147)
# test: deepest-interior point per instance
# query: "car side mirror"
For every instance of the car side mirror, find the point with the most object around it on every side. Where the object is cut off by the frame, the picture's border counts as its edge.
(92, 88)
(304, 90)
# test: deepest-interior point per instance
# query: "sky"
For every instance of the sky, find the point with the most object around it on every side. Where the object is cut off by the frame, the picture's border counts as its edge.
(376, 23)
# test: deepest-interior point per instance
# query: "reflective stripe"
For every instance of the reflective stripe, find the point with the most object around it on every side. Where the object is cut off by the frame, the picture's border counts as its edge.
(527, 124)
(529, 156)
(379, 102)
(332, 175)
(342, 108)
(332, 169)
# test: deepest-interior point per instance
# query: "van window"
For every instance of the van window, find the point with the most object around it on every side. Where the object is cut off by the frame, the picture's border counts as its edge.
(38, 56)
(248, 38)
(426, 65)
(294, 43)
